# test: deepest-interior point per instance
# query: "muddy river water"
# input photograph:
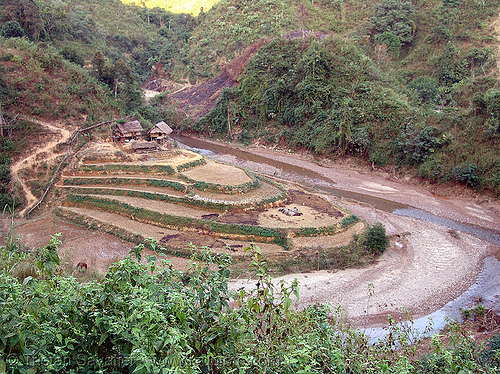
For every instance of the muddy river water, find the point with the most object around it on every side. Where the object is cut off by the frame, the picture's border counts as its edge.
(488, 281)
(315, 180)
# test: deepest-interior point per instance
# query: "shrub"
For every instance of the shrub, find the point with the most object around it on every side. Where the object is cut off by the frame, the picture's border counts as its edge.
(426, 89)
(465, 173)
(375, 238)
(12, 29)
(349, 220)
(491, 355)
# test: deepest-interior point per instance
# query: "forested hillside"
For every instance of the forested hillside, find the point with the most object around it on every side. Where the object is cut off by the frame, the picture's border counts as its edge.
(411, 84)
(407, 85)
(397, 83)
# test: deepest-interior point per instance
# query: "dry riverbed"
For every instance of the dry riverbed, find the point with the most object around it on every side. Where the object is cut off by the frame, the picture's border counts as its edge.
(427, 265)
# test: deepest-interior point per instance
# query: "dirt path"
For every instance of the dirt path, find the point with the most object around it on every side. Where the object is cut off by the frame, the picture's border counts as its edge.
(26, 162)
(427, 266)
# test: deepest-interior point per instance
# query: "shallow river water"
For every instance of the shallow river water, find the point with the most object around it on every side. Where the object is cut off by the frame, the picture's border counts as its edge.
(312, 179)
(487, 283)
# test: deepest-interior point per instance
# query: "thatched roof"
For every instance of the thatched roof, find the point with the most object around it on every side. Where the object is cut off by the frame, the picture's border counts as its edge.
(161, 127)
(133, 126)
(144, 146)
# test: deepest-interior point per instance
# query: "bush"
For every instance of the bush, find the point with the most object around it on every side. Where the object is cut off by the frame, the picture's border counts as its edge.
(465, 173)
(72, 55)
(491, 355)
(12, 29)
(426, 89)
(375, 238)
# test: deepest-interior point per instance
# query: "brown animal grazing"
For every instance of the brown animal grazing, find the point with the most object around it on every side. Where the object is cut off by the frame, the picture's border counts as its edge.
(82, 267)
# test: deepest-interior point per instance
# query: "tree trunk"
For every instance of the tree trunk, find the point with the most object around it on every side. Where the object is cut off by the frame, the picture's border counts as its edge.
(229, 132)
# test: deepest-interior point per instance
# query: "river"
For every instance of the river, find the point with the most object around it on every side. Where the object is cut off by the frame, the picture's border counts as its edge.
(487, 282)
(314, 180)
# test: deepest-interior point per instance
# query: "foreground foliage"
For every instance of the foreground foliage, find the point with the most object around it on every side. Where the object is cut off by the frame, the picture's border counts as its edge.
(145, 317)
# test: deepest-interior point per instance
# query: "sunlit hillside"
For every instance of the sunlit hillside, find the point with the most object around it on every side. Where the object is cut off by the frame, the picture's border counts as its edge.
(176, 6)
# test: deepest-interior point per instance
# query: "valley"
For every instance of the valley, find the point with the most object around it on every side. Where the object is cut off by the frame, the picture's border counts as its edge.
(426, 266)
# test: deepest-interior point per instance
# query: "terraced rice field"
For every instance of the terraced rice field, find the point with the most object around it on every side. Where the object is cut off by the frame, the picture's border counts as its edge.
(189, 199)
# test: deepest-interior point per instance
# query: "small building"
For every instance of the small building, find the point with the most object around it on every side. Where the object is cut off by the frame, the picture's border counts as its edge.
(128, 131)
(160, 132)
(143, 147)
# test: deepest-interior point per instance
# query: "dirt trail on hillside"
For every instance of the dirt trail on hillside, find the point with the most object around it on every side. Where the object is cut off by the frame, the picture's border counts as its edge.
(28, 161)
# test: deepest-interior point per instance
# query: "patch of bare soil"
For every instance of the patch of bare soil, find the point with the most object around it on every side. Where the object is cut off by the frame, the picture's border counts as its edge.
(319, 204)
(334, 241)
(307, 216)
(313, 211)
(215, 172)
(181, 239)
(98, 250)
(240, 218)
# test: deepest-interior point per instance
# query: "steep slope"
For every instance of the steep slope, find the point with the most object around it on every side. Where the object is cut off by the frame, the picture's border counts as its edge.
(425, 99)
(199, 100)
(45, 97)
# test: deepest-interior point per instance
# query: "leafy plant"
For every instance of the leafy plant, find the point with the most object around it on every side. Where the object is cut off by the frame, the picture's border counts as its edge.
(47, 258)
(375, 238)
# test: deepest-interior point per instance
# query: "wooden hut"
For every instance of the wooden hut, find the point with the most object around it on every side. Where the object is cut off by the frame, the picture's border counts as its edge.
(128, 131)
(143, 147)
(160, 132)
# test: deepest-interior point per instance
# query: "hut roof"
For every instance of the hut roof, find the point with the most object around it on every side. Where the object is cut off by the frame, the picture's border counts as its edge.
(132, 126)
(161, 127)
(144, 146)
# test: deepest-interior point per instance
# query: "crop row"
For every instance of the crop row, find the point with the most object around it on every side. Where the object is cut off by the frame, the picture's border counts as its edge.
(251, 233)
(127, 169)
(191, 164)
(184, 200)
(116, 181)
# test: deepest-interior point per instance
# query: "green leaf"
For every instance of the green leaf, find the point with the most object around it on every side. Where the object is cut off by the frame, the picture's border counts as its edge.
(102, 339)
(286, 304)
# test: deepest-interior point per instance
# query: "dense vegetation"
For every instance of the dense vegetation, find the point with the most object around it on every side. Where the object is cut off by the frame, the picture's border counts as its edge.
(44, 46)
(145, 317)
(410, 84)
(414, 86)
(401, 83)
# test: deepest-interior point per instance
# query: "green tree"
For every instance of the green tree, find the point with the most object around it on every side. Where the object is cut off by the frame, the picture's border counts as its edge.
(71, 54)
(12, 29)
(98, 63)
(55, 20)
(376, 239)
(392, 42)
(26, 13)
(426, 89)
(395, 17)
